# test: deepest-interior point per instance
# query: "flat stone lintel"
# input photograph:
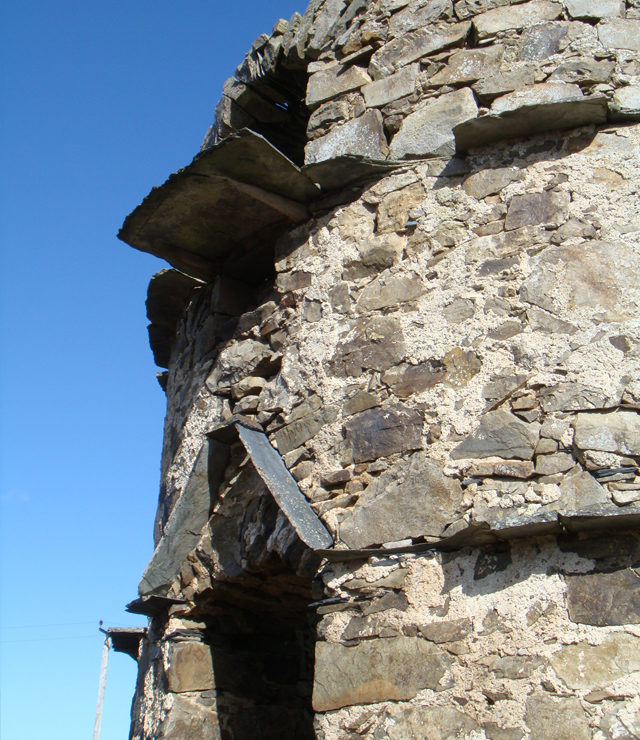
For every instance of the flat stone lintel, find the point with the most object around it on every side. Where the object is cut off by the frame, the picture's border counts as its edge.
(529, 120)
(479, 534)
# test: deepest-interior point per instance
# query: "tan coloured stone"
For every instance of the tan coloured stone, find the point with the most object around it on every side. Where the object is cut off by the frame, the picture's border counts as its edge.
(559, 718)
(567, 278)
(390, 290)
(620, 33)
(490, 181)
(394, 669)
(460, 367)
(501, 468)
(391, 88)
(617, 431)
(501, 434)
(425, 14)
(469, 65)
(393, 211)
(594, 8)
(543, 94)
(363, 136)
(515, 16)
(190, 667)
(334, 81)
(583, 666)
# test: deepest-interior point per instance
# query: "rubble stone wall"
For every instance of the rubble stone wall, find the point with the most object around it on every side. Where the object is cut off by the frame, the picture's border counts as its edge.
(446, 357)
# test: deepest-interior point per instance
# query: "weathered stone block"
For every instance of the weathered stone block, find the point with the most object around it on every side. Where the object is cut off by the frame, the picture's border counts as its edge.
(411, 499)
(363, 136)
(190, 667)
(515, 16)
(501, 468)
(433, 722)
(552, 464)
(616, 431)
(585, 666)
(460, 367)
(592, 9)
(488, 182)
(405, 380)
(390, 290)
(393, 211)
(382, 431)
(543, 94)
(396, 86)
(422, 16)
(377, 343)
(504, 81)
(500, 434)
(559, 718)
(334, 81)
(413, 46)
(189, 720)
(604, 599)
(449, 631)
(513, 666)
(298, 432)
(428, 131)
(620, 33)
(539, 42)
(566, 278)
(519, 119)
(625, 103)
(393, 669)
(469, 65)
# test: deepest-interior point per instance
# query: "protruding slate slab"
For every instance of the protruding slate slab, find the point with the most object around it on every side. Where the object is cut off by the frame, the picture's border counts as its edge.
(530, 119)
(168, 294)
(152, 606)
(127, 639)
(348, 169)
(182, 532)
(232, 198)
(278, 479)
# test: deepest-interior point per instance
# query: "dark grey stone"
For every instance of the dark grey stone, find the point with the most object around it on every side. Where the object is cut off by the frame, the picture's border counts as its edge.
(603, 599)
(382, 431)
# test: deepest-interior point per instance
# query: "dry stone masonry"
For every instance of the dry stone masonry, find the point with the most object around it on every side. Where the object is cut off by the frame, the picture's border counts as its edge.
(400, 341)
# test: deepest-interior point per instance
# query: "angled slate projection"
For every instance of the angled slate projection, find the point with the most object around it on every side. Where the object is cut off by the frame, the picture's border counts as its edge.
(278, 479)
(232, 199)
(182, 532)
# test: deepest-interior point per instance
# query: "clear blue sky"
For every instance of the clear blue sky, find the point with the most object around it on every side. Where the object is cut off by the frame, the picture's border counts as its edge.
(100, 101)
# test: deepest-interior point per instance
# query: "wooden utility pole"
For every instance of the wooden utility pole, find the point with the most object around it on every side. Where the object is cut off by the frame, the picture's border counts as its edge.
(101, 687)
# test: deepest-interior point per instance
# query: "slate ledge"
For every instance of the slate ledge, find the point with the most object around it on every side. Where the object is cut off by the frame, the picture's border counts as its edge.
(476, 534)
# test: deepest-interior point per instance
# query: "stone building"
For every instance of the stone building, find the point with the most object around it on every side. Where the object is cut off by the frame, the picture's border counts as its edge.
(400, 492)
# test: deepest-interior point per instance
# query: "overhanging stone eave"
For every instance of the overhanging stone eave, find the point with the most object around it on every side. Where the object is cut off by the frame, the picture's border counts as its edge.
(230, 198)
